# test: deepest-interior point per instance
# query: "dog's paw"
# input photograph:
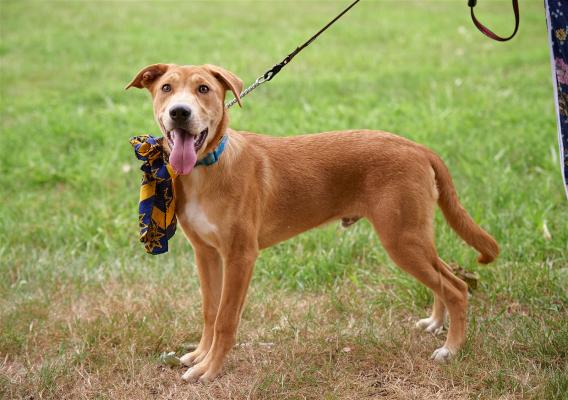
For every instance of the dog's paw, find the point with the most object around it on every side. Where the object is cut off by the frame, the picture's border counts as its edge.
(193, 373)
(202, 372)
(192, 358)
(431, 325)
(442, 355)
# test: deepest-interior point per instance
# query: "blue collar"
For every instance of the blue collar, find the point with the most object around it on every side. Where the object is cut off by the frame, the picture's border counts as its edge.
(212, 157)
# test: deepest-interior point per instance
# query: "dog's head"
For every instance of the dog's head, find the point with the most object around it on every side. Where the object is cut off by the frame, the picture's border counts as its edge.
(189, 107)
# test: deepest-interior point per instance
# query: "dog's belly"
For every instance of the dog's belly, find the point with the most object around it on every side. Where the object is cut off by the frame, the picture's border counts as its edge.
(276, 233)
(320, 204)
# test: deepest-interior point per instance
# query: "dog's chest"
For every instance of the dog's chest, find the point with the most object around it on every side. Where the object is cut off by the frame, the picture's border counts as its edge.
(192, 210)
(193, 215)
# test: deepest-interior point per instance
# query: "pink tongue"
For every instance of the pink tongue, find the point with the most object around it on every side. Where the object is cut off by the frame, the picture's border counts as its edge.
(183, 157)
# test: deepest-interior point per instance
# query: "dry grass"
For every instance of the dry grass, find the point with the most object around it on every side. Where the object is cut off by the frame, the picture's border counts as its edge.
(344, 344)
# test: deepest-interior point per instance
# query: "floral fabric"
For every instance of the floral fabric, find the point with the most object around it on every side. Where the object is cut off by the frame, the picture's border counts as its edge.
(557, 20)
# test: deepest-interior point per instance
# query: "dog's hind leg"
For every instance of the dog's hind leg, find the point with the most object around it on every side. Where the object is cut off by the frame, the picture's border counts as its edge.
(456, 303)
(435, 322)
(406, 231)
(210, 269)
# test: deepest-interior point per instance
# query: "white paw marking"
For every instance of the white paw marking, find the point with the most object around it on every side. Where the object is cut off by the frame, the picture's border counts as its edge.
(437, 330)
(431, 325)
(187, 376)
(424, 323)
(442, 354)
(199, 372)
(186, 359)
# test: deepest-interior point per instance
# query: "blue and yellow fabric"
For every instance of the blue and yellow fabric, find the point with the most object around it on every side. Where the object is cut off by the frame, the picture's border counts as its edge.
(157, 218)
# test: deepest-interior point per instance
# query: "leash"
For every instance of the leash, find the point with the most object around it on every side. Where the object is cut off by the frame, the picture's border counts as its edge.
(486, 31)
(271, 73)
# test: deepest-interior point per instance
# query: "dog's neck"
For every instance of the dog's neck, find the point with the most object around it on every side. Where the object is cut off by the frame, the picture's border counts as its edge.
(214, 156)
(220, 131)
(208, 177)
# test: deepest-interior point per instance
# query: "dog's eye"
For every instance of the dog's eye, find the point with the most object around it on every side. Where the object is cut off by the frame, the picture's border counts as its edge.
(167, 88)
(203, 88)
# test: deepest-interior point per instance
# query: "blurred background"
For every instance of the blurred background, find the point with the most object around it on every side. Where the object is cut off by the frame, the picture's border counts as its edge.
(84, 312)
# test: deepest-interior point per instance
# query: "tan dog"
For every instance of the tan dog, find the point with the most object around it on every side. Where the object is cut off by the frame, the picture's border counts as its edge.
(265, 189)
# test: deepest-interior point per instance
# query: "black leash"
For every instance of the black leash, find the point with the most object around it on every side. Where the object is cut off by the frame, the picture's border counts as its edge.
(271, 73)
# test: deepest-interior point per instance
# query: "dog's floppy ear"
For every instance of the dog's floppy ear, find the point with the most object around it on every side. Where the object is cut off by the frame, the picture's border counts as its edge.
(229, 80)
(147, 75)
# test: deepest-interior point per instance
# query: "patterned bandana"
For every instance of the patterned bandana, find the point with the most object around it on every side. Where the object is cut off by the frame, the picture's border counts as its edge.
(157, 214)
(157, 218)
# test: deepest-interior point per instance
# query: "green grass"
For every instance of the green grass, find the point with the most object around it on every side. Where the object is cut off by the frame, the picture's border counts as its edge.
(84, 313)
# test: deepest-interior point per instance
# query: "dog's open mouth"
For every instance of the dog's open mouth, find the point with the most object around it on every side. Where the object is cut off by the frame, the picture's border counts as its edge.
(198, 143)
(183, 149)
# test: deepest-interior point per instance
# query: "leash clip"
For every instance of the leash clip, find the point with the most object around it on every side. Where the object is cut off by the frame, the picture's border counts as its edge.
(271, 73)
(259, 81)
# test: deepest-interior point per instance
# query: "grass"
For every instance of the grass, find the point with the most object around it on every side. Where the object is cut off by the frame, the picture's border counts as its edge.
(84, 313)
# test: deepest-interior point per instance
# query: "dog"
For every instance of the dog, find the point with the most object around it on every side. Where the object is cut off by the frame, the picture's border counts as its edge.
(263, 190)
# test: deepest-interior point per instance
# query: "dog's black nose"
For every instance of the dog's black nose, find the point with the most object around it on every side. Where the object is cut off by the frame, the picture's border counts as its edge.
(180, 112)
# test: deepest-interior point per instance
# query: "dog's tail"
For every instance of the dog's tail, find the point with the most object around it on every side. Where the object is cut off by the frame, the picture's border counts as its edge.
(457, 216)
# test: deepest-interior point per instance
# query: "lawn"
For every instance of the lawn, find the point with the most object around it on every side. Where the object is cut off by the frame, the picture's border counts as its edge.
(85, 313)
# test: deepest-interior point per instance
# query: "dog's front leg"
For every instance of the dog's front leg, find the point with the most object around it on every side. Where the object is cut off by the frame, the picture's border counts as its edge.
(210, 269)
(237, 272)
